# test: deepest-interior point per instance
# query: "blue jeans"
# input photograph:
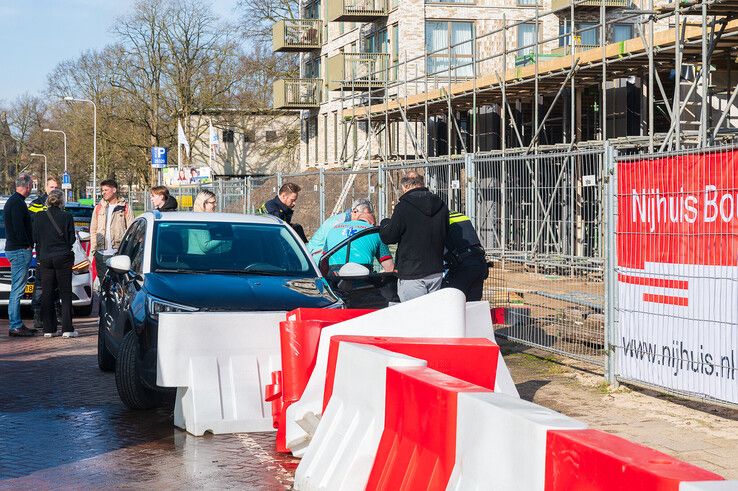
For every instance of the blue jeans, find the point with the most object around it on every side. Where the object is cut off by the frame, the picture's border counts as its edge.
(20, 260)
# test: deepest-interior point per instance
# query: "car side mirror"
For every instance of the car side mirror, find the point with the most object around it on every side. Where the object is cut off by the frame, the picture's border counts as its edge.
(353, 270)
(120, 264)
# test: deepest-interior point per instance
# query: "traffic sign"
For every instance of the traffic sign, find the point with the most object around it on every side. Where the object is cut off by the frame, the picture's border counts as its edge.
(158, 157)
(66, 181)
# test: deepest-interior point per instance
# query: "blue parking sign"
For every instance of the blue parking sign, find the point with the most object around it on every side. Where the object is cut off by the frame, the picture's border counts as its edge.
(66, 181)
(158, 157)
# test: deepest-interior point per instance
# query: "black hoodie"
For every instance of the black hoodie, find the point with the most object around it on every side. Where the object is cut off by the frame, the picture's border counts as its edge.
(419, 226)
(169, 205)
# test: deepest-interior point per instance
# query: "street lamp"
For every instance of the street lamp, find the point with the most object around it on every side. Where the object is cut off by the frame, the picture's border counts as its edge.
(46, 165)
(94, 140)
(47, 130)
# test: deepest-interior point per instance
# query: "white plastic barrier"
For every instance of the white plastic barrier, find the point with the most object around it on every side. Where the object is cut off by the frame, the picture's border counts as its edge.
(437, 315)
(479, 325)
(501, 439)
(709, 486)
(341, 453)
(219, 362)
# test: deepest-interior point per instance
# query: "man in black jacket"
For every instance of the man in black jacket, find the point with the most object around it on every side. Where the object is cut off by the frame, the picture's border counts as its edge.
(282, 206)
(419, 225)
(18, 249)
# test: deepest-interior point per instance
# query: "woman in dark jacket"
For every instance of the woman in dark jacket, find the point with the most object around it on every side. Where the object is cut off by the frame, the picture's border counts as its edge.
(161, 199)
(53, 232)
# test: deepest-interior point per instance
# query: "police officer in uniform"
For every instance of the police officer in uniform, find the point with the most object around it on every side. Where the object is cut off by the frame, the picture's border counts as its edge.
(38, 205)
(465, 258)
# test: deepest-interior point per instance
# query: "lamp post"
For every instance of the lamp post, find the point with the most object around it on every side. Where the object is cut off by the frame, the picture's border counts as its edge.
(94, 140)
(46, 165)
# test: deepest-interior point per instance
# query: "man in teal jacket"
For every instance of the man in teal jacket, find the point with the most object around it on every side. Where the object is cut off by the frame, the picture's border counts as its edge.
(317, 241)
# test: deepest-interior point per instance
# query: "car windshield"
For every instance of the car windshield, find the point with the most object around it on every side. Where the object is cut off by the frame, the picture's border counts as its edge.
(228, 248)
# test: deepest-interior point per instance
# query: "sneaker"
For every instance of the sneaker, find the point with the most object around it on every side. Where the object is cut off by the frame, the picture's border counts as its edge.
(70, 334)
(21, 332)
(52, 334)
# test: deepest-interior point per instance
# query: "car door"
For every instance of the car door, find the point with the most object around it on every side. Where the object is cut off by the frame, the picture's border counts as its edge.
(373, 290)
(116, 287)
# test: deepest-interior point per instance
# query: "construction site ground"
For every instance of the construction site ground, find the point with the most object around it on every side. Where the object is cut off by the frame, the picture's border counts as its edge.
(701, 434)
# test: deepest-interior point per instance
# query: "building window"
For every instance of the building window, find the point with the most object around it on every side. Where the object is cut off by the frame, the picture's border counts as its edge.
(589, 32)
(622, 32)
(249, 136)
(528, 2)
(227, 136)
(376, 42)
(438, 37)
(271, 136)
(526, 38)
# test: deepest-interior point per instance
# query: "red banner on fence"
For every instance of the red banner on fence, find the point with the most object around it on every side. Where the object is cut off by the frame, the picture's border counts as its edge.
(677, 251)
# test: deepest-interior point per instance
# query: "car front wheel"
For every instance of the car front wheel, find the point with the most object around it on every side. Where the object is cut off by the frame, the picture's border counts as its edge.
(130, 388)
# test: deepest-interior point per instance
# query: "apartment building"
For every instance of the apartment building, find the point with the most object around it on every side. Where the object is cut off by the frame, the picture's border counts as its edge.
(365, 64)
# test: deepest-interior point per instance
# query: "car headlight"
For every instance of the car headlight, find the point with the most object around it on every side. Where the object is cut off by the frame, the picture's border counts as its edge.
(81, 267)
(157, 306)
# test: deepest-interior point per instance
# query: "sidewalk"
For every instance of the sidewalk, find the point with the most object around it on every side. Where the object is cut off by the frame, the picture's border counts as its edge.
(700, 434)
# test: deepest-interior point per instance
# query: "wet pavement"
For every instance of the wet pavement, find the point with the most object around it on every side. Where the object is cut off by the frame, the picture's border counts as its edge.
(62, 426)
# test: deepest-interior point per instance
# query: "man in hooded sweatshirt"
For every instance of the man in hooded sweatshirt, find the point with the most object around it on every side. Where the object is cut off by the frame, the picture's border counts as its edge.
(419, 226)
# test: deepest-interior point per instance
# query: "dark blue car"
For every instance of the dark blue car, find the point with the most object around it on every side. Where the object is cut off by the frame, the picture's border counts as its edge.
(187, 262)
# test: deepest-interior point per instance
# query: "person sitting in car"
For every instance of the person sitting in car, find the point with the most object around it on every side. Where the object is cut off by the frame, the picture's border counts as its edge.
(200, 241)
(363, 250)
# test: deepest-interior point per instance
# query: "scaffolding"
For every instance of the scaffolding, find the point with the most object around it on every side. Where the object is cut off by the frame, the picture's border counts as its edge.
(680, 106)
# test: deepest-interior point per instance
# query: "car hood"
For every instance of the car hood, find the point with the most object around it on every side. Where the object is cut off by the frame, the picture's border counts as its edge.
(231, 292)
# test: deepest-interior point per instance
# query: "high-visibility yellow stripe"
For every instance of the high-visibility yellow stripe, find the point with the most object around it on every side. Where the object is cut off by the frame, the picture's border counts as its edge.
(456, 218)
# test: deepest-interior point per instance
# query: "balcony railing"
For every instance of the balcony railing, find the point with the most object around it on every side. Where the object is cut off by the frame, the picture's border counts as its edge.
(297, 93)
(357, 71)
(565, 50)
(356, 10)
(297, 35)
(565, 4)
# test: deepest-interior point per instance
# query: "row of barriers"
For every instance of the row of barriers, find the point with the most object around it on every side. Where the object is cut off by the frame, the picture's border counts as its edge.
(369, 401)
(561, 229)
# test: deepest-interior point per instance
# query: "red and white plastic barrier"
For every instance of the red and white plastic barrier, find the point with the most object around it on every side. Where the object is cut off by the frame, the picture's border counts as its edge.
(440, 314)
(592, 459)
(502, 440)
(417, 449)
(341, 453)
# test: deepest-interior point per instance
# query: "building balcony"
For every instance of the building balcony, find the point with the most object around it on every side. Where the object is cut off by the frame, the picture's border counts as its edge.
(565, 50)
(357, 71)
(297, 93)
(294, 35)
(588, 4)
(356, 10)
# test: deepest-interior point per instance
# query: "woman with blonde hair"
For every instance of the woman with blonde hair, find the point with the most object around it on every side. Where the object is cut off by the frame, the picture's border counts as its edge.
(205, 201)
(200, 241)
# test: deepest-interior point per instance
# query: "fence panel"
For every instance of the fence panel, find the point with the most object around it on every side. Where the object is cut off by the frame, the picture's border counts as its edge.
(675, 277)
(364, 184)
(540, 219)
(446, 178)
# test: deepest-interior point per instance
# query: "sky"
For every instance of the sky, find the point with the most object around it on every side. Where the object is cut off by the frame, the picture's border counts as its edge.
(35, 35)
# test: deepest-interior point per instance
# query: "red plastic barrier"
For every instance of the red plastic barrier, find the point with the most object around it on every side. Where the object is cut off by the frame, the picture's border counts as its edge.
(595, 460)
(473, 360)
(418, 445)
(498, 315)
(299, 339)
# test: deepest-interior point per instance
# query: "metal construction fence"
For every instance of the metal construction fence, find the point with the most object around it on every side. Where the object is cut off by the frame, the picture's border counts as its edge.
(624, 262)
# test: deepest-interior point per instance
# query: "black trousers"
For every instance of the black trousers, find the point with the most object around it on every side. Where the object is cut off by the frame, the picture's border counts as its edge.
(468, 276)
(56, 273)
